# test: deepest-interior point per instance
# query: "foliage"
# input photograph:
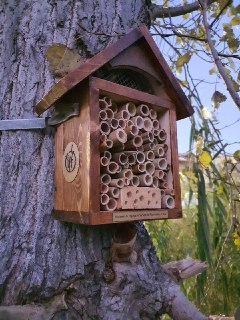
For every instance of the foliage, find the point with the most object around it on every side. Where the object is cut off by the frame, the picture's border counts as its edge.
(210, 229)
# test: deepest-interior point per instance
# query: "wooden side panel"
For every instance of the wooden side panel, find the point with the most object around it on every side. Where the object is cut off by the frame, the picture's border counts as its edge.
(73, 196)
(175, 163)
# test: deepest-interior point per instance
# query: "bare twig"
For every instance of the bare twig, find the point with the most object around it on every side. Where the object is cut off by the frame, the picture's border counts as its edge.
(157, 11)
(215, 55)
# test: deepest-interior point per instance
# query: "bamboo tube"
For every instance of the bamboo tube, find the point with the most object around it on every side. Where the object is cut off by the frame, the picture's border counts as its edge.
(104, 188)
(126, 165)
(149, 167)
(138, 121)
(122, 123)
(149, 155)
(105, 145)
(160, 163)
(104, 199)
(103, 137)
(162, 192)
(153, 114)
(103, 115)
(164, 185)
(132, 158)
(155, 182)
(105, 178)
(134, 181)
(122, 115)
(114, 123)
(120, 158)
(127, 181)
(130, 108)
(169, 192)
(159, 151)
(163, 177)
(134, 143)
(140, 148)
(147, 124)
(110, 206)
(125, 173)
(109, 113)
(118, 147)
(107, 154)
(118, 136)
(145, 180)
(111, 168)
(113, 192)
(104, 161)
(148, 146)
(131, 131)
(147, 137)
(162, 135)
(140, 157)
(114, 107)
(142, 110)
(156, 124)
(104, 127)
(139, 168)
(119, 183)
(129, 123)
(105, 103)
(168, 167)
(168, 202)
(159, 174)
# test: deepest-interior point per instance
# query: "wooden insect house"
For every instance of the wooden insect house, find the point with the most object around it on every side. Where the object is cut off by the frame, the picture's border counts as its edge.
(117, 160)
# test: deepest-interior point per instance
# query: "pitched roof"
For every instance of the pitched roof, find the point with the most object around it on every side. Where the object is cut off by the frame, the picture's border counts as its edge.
(183, 106)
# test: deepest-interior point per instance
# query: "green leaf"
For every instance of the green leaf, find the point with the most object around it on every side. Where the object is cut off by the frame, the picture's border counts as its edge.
(235, 21)
(182, 60)
(212, 70)
(236, 155)
(217, 98)
(235, 85)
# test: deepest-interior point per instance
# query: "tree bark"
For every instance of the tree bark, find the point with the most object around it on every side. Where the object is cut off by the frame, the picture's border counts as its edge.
(42, 259)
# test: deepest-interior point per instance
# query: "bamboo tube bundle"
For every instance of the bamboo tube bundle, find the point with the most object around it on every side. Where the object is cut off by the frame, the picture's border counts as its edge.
(113, 192)
(118, 136)
(110, 206)
(142, 110)
(132, 158)
(149, 167)
(131, 131)
(119, 183)
(163, 177)
(168, 202)
(130, 108)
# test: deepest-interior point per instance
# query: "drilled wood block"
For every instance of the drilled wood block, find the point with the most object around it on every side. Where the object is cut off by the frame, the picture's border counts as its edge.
(140, 198)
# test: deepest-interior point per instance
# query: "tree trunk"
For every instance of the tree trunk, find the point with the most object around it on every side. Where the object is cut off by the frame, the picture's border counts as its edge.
(42, 260)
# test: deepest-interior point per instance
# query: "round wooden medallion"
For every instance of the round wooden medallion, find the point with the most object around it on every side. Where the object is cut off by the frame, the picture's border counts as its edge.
(70, 162)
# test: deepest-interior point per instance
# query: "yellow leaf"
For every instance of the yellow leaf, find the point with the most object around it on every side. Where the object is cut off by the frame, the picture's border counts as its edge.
(62, 60)
(236, 239)
(205, 159)
(220, 189)
(236, 155)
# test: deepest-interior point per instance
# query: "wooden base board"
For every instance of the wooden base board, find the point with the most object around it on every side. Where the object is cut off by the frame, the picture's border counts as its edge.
(106, 217)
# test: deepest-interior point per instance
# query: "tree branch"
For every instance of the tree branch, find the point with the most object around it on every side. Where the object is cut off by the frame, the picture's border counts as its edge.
(215, 55)
(157, 11)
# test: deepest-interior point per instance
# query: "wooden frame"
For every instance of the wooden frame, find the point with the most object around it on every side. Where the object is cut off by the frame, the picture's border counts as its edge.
(90, 103)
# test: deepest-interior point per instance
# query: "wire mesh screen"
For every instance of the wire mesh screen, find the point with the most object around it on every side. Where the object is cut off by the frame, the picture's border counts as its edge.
(126, 77)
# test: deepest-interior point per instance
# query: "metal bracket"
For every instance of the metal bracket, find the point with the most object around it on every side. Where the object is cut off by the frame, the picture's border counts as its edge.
(63, 112)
